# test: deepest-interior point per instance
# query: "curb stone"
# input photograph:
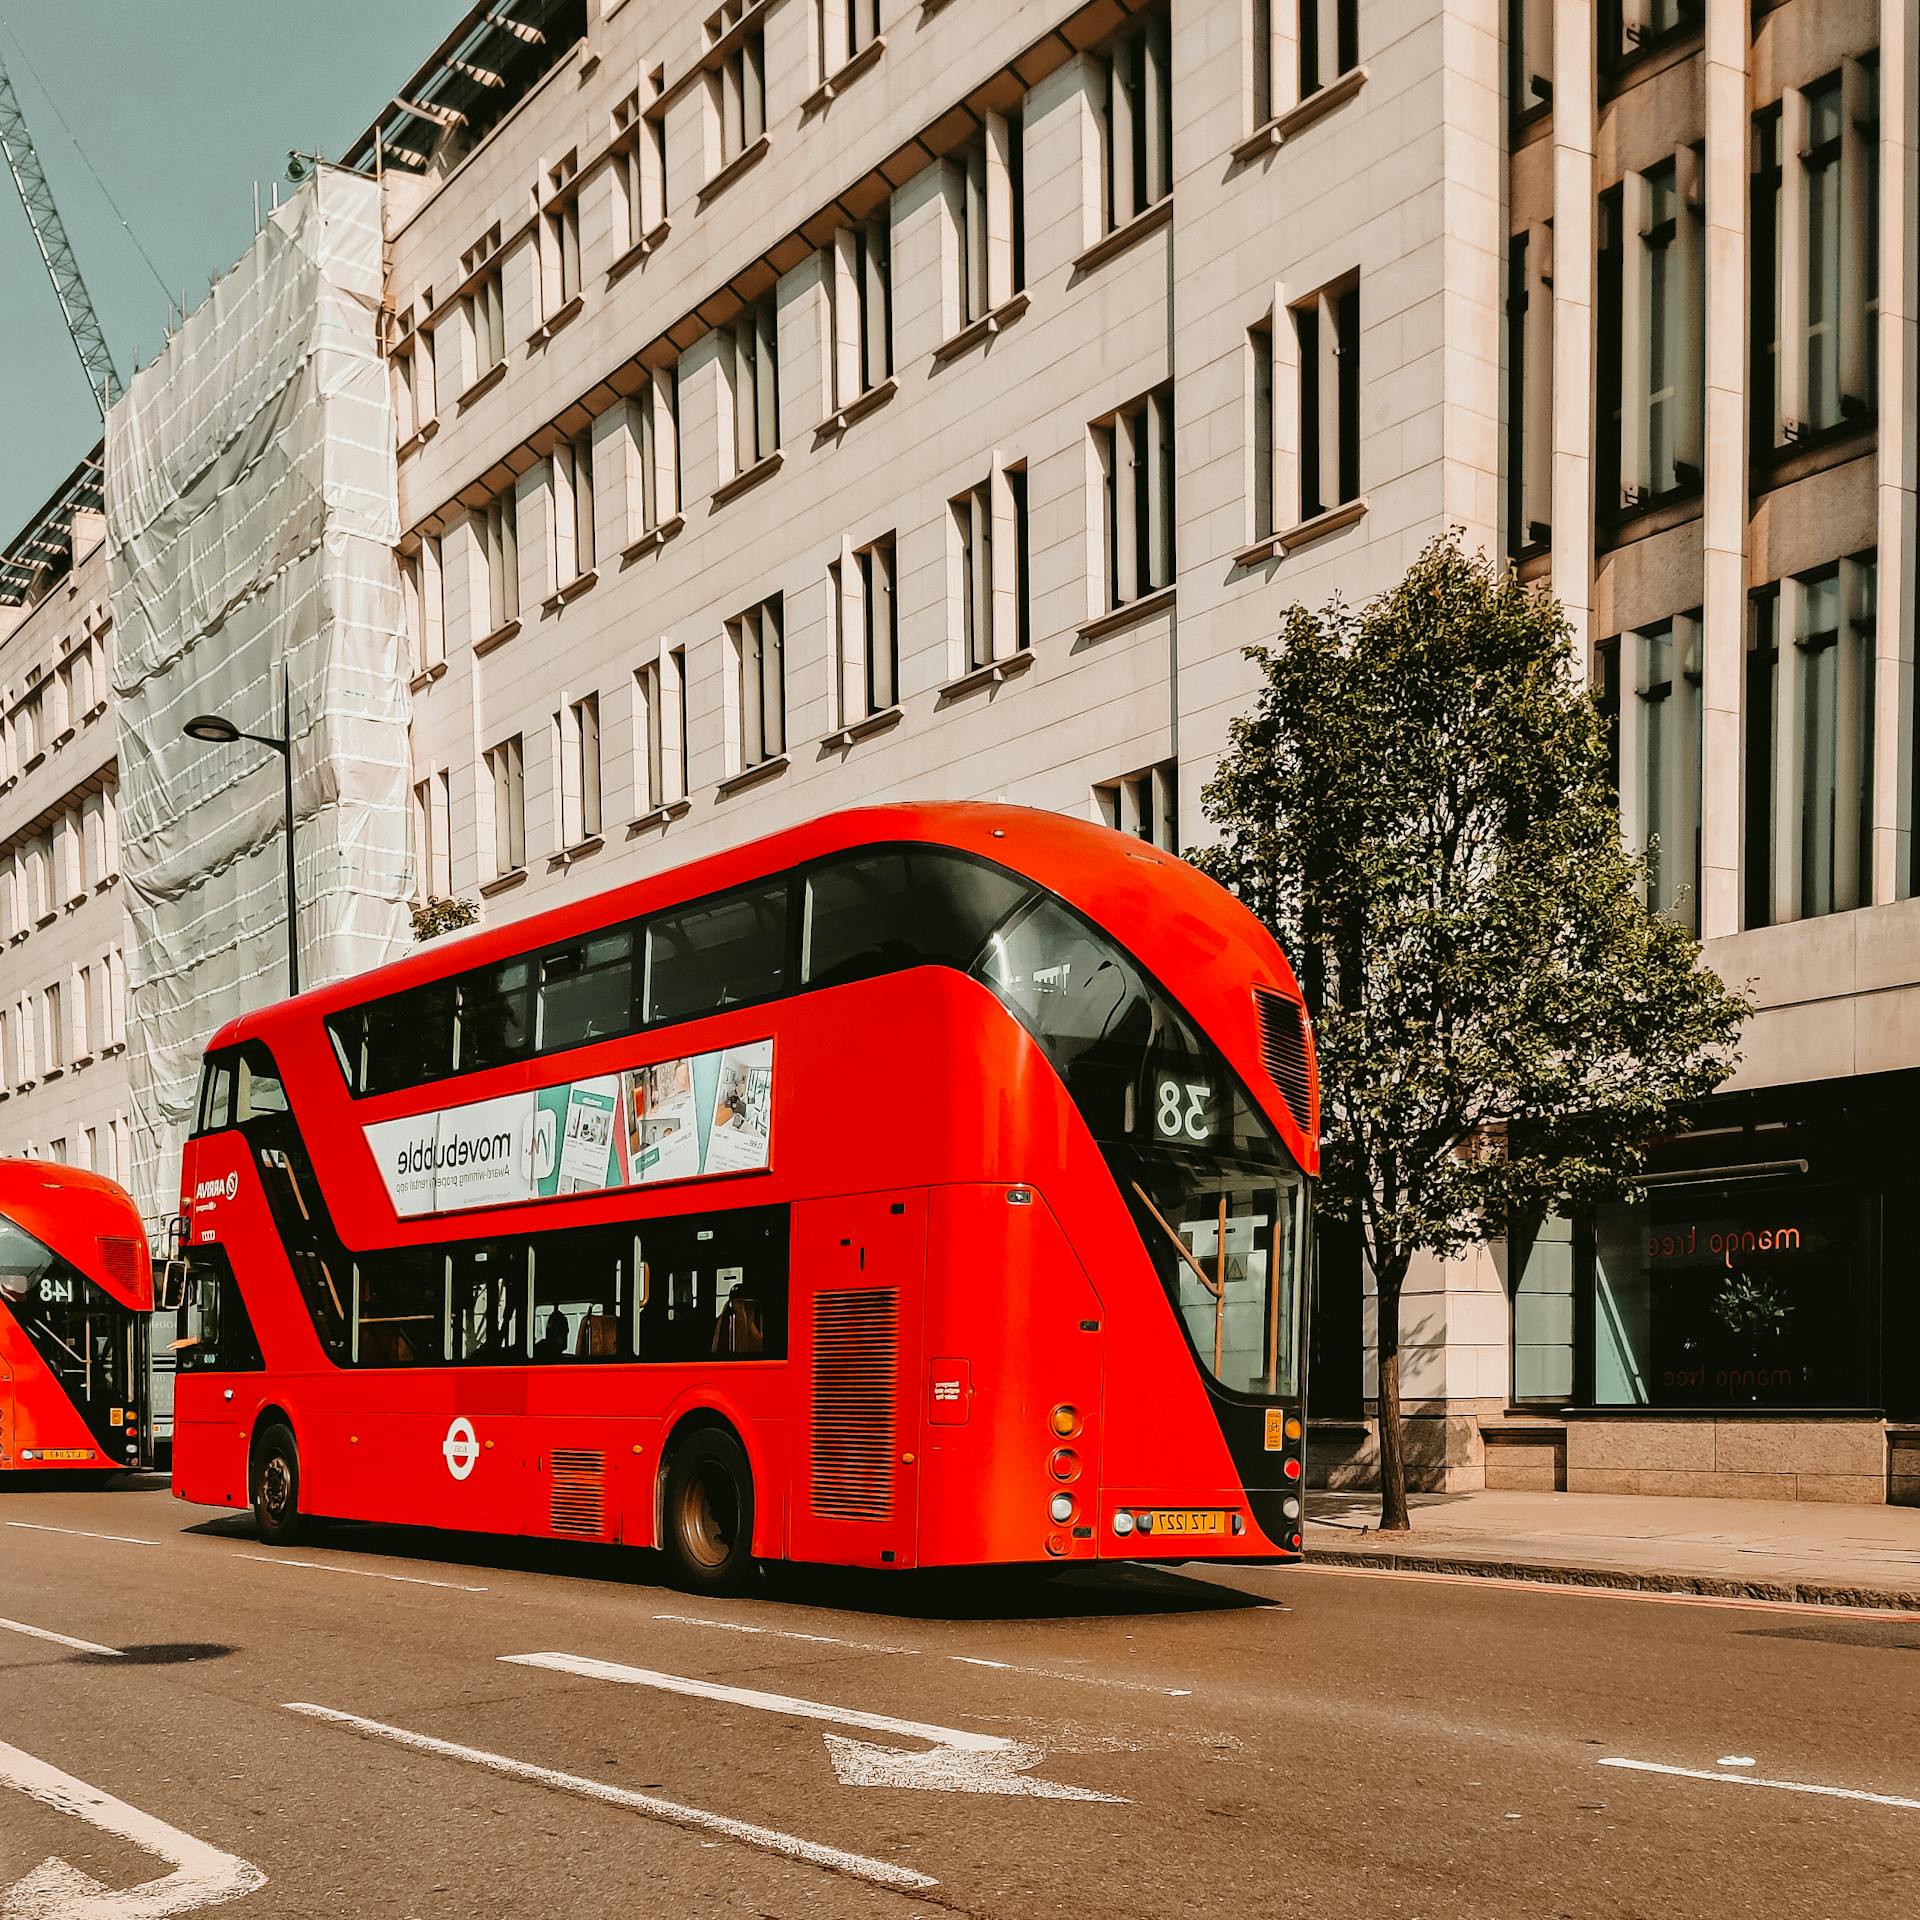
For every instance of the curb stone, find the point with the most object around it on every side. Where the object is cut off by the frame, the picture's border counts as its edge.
(1623, 1579)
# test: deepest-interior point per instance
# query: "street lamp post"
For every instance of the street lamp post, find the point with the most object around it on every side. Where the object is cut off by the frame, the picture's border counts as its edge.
(220, 731)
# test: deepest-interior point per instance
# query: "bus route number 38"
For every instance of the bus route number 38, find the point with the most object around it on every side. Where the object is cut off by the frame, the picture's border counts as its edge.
(1184, 1110)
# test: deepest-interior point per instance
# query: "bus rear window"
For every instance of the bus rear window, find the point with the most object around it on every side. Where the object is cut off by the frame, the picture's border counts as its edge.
(720, 953)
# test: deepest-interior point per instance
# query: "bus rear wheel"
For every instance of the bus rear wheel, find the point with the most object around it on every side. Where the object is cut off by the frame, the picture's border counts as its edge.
(274, 1485)
(707, 1513)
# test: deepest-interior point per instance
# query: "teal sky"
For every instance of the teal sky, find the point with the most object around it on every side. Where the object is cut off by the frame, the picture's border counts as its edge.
(180, 105)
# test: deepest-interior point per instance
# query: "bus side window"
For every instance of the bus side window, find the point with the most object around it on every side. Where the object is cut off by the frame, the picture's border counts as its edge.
(581, 1287)
(260, 1092)
(399, 1308)
(490, 1302)
(216, 1333)
(718, 953)
(718, 1287)
(586, 990)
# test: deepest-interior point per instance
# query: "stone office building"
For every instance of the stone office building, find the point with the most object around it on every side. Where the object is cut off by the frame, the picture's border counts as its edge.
(801, 402)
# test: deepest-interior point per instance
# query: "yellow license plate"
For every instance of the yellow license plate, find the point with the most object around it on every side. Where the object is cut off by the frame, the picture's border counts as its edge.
(1188, 1520)
(66, 1453)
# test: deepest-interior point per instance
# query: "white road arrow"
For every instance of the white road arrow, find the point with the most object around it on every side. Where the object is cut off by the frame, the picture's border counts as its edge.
(202, 1876)
(960, 1760)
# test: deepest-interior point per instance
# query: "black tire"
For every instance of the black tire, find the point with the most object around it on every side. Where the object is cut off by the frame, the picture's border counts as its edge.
(706, 1513)
(273, 1485)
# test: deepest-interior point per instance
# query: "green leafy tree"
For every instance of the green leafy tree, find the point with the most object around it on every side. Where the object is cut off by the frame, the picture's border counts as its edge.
(435, 916)
(1420, 806)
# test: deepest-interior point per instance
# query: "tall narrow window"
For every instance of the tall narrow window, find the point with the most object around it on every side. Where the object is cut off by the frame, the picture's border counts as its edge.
(506, 774)
(868, 623)
(651, 450)
(423, 587)
(573, 549)
(1263, 60)
(484, 302)
(1530, 389)
(1327, 328)
(560, 240)
(1329, 42)
(737, 84)
(756, 384)
(1144, 804)
(759, 689)
(844, 30)
(585, 747)
(1835, 726)
(1530, 56)
(499, 528)
(662, 729)
(1135, 450)
(1137, 120)
(432, 856)
(858, 273)
(639, 167)
(972, 517)
(54, 1057)
(1662, 744)
(1265, 445)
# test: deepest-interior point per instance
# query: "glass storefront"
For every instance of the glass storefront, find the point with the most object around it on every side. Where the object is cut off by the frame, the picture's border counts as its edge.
(1766, 1268)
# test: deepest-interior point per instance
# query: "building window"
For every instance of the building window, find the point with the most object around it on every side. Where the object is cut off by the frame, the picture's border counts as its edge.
(1144, 804)
(1136, 120)
(1816, 293)
(639, 167)
(989, 218)
(1135, 452)
(755, 383)
(573, 554)
(1329, 42)
(506, 778)
(1530, 390)
(1327, 332)
(560, 236)
(83, 1029)
(1264, 491)
(1659, 750)
(415, 401)
(423, 587)
(1629, 28)
(662, 732)
(651, 448)
(1529, 56)
(1652, 335)
(757, 686)
(499, 529)
(867, 632)
(577, 736)
(844, 29)
(433, 859)
(858, 274)
(737, 83)
(484, 303)
(1809, 716)
(54, 1030)
(972, 518)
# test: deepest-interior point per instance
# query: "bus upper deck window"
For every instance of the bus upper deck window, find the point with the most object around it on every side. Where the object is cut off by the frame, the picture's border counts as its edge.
(718, 953)
(586, 990)
(216, 1096)
(883, 911)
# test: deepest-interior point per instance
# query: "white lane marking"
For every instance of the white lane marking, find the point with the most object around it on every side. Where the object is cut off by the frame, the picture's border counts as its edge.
(59, 1639)
(1736, 1760)
(962, 1761)
(883, 1873)
(1779, 1786)
(80, 1533)
(202, 1876)
(962, 1659)
(780, 1703)
(1576, 1588)
(363, 1573)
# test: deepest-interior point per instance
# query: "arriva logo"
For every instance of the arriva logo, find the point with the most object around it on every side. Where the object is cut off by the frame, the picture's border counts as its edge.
(219, 1189)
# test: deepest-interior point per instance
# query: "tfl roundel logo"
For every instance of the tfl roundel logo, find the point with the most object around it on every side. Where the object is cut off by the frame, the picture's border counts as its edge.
(460, 1449)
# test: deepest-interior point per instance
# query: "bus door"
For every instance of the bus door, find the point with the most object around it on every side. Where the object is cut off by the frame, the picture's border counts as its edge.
(859, 1272)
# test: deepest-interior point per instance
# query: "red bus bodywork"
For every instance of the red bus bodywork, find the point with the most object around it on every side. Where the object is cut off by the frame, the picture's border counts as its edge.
(76, 1287)
(924, 1143)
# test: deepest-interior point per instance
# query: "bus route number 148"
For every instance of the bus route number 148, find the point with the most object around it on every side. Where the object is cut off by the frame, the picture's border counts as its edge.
(1184, 1110)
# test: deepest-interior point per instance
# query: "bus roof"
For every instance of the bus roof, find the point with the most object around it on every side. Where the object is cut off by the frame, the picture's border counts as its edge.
(1085, 864)
(87, 1219)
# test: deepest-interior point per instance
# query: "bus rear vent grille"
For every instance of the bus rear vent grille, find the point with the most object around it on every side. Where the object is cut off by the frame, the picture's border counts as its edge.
(119, 1259)
(578, 1500)
(1283, 1052)
(855, 1362)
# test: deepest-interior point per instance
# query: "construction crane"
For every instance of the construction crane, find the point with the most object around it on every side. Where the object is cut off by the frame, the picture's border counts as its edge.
(50, 236)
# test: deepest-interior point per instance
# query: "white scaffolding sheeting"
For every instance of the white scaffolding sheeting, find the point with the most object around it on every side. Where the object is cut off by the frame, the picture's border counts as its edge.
(252, 514)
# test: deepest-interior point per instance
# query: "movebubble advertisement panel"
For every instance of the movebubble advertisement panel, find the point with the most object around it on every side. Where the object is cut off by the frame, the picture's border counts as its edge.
(705, 1113)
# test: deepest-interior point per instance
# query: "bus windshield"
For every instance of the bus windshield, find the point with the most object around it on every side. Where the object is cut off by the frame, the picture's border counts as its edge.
(83, 1336)
(1219, 1201)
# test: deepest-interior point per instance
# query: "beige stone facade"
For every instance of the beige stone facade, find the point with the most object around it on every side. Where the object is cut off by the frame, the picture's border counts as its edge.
(63, 1080)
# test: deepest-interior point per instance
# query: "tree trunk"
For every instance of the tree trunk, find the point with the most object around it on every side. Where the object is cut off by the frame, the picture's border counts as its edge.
(1393, 1460)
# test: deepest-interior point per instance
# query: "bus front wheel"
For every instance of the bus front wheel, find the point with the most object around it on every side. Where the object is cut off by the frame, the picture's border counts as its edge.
(707, 1514)
(275, 1486)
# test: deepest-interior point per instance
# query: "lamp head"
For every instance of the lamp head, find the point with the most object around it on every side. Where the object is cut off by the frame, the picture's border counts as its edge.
(213, 728)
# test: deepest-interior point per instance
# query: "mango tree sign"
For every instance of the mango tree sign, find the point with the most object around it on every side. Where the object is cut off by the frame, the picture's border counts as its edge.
(704, 1113)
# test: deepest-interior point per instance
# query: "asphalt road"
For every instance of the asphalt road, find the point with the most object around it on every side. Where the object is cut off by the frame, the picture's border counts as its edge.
(1264, 1742)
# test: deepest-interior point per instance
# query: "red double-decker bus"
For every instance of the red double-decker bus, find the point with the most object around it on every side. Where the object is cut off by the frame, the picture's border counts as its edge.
(922, 1186)
(76, 1290)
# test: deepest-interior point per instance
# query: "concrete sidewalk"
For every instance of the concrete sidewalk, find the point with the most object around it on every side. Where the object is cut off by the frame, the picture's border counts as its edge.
(1758, 1549)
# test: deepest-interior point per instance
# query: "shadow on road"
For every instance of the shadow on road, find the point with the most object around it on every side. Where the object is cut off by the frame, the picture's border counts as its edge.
(962, 1593)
